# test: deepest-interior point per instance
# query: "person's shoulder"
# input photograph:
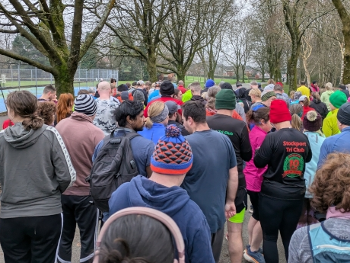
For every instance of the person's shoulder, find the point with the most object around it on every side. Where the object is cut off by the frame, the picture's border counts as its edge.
(142, 141)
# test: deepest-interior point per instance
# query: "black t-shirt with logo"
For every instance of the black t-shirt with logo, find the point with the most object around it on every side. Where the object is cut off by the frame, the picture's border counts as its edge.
(285, 152)
(237, 132)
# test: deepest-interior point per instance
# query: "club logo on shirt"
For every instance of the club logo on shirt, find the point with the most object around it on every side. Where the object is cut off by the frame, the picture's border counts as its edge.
(293, 166)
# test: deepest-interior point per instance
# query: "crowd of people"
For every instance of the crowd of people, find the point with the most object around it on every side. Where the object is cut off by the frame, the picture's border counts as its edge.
(199, 153)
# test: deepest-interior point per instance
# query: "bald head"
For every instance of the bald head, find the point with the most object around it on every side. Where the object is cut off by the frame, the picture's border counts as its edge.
(104, 86)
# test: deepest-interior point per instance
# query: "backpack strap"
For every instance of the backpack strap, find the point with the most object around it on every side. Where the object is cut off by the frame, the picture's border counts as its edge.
(309, 228)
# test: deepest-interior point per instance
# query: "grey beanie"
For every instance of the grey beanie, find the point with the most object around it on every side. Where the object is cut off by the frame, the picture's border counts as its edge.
(86, 104)
(343, 115)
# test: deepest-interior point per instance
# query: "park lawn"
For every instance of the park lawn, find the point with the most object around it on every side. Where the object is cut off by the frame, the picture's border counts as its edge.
(201, 80)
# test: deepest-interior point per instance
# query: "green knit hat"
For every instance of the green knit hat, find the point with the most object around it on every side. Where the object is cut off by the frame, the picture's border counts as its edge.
(338, 98)
(266, 95)
(187, 96)
(225, 99)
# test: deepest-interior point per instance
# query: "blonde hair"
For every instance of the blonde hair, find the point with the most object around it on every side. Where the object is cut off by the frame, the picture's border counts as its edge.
(291, 94)
(271, 81)
(329, 86)
(255, 92)
(154, 110)
(295, 110)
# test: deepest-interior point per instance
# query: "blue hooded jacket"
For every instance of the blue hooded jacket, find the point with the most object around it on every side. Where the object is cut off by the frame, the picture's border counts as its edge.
(176, 203)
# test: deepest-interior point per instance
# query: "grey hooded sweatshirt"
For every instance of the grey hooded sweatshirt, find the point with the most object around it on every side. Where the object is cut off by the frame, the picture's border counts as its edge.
(35, 168)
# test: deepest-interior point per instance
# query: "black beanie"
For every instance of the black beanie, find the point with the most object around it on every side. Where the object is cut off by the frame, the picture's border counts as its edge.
(122, 87)
(344, 114)
(167, 88)
(226, 85)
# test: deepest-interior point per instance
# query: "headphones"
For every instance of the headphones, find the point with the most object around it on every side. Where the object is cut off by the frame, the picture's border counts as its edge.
(159, 216)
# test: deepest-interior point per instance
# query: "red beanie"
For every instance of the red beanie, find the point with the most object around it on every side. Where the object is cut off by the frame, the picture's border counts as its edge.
(279, 111)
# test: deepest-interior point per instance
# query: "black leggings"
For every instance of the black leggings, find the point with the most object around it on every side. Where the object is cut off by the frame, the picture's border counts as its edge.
(278, 214)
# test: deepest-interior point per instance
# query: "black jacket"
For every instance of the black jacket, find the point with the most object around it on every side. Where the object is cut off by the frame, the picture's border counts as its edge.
(320, 107)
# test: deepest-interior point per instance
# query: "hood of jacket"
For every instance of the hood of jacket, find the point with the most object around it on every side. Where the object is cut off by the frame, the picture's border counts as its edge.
(20, 138)
(146, 193)
(81, 117)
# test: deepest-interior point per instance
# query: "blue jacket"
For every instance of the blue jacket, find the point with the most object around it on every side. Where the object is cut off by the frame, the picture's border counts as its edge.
(153, 134)
(176, 203)
(336, 143)
(316, 141)
(153, 95)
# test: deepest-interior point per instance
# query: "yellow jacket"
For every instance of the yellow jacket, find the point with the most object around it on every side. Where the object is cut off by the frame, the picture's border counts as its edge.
(330, 124)
(304, 91)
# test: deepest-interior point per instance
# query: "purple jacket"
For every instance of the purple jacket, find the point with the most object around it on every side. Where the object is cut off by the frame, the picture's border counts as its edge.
(253, 175)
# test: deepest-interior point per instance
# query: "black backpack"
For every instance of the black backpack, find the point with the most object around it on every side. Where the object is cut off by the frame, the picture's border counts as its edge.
(113, 166)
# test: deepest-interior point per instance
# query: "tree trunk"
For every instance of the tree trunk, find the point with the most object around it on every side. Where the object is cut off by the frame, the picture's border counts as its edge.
(292, 65)
(237, 73)
(181, 73)
(64, 79)
(263, 73)
(345, 19)
(243, 70)
(307, 72)
(346, 73)
(152, 67)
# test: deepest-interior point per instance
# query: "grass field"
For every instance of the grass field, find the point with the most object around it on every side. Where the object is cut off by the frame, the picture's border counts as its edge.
(188, 80)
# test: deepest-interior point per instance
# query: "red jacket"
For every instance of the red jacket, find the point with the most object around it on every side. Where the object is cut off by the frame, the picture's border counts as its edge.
(182, 88)
(164, 99)
(7, 123)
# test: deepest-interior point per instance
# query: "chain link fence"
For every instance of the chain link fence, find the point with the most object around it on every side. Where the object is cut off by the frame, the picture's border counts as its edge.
(34, 80)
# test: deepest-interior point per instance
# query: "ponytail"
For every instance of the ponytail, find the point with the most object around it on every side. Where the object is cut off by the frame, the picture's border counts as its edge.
(33, 122)
(148, 123)
(296, 122)
(122, 255)
(255, 116)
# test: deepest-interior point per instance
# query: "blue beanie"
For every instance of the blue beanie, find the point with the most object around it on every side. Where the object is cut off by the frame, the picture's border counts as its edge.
(172, 154)
(209, 83)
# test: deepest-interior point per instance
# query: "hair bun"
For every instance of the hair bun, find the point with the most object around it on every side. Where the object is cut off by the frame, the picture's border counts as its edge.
(172, 131)
(311, 115)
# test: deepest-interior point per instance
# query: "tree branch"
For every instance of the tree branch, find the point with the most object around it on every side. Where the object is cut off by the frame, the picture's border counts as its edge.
(26, 60)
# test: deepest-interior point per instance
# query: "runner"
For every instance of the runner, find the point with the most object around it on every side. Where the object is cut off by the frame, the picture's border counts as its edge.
(339, 142)
(106, 105)
(169, 166)
(237, 132)
(282, 192)
(158, 116)
(259, 116)
(77, 204)
(210, 185)
(329, 241)
(35, 169)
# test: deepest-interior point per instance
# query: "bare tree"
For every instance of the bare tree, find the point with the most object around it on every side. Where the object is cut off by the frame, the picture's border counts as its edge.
(138, 25)
(47, 24)
(345, 19)
(192, 26)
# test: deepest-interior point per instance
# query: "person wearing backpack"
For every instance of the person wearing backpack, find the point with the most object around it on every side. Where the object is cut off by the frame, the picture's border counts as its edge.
(164, 184)
(328, 241)
(77, 204)
(130, 119)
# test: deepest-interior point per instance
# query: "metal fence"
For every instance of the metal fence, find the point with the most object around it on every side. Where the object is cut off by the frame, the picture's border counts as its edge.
(17, 76)
(34, 80)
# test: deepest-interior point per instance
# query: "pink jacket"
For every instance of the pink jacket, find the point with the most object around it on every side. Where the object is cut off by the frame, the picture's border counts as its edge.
(253, 175)
(80, 137)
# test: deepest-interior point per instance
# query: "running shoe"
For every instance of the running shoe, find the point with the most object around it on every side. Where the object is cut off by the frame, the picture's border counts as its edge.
(254, 257)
